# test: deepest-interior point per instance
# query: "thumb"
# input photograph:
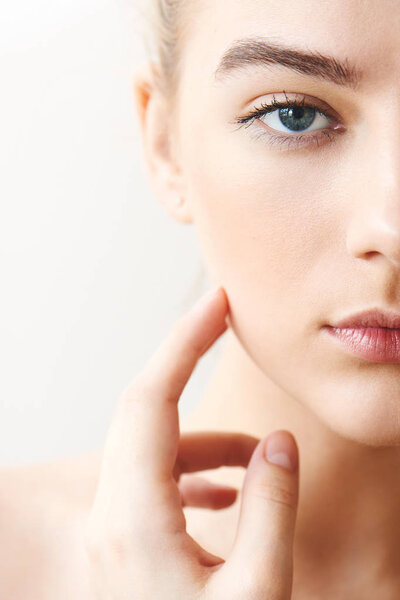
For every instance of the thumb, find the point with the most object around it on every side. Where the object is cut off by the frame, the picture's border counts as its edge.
(261, 561)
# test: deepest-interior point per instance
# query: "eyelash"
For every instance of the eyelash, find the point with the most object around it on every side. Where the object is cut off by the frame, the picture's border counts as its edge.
(291, 140)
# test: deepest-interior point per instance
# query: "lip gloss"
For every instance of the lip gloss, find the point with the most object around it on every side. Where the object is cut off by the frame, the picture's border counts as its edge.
(375, 344)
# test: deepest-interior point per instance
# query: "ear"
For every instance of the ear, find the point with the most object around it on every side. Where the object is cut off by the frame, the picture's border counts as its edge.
(155, 124)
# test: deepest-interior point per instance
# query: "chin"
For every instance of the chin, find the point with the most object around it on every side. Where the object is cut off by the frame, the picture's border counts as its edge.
(374, 435)
(363, 409)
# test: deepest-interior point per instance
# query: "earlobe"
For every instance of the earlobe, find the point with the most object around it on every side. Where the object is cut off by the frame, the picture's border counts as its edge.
(181, 210)
(172, 200)
(156, 131)
(175, 204)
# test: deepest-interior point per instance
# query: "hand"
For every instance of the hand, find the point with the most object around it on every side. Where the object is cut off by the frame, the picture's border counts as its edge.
(136, 539)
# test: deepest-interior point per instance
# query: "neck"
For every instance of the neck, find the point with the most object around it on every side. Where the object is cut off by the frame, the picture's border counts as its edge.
(349, 492)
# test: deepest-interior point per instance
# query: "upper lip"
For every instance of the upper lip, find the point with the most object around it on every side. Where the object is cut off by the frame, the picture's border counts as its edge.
(371, 318)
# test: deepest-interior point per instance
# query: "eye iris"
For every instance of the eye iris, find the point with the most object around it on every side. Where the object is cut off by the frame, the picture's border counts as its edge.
(297, 117)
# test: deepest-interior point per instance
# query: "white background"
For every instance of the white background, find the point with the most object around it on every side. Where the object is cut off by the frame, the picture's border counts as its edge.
(93, 269)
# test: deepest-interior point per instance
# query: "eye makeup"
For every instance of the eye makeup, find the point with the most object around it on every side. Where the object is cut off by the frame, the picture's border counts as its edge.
(298, 116)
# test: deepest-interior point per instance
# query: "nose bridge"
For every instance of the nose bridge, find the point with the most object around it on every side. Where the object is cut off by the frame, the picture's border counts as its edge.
(375, 226)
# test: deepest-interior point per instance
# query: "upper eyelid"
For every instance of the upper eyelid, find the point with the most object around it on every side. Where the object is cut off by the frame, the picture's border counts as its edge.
(269, 109)
(309, 100)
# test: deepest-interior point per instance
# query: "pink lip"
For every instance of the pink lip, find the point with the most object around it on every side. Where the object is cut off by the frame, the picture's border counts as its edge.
(372, 334)
(376, 344)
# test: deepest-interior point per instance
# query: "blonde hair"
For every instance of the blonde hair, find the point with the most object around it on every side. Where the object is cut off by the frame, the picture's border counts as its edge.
(167, 24)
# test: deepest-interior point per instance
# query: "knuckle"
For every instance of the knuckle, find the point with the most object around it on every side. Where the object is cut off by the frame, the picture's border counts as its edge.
(118, 542)
(130, 394)
(93, 543)
(107, 540)
(276, 492)
(138, 389)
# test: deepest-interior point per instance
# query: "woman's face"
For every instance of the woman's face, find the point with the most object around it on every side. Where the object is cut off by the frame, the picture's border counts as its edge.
(298, 213)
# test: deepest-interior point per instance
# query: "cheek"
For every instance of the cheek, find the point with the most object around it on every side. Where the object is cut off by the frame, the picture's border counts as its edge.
(261, 219)
(270, 228)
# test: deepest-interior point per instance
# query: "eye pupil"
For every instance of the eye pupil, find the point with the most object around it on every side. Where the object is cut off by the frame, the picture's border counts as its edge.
(297, 117)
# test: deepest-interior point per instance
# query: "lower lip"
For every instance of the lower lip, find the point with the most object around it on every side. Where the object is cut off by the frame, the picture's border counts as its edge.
(376, 344)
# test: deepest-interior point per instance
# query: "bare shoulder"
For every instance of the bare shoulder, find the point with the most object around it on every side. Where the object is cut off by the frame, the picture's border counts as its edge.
(43, 511)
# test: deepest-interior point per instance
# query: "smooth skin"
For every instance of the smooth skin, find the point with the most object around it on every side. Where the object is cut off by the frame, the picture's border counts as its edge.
(297, 238)
(137, 541)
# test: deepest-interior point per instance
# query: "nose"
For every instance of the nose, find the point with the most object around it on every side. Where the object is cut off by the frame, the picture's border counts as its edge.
(374, 228)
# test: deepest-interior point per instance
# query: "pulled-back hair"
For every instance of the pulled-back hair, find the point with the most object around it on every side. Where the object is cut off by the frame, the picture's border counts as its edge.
(168, 22)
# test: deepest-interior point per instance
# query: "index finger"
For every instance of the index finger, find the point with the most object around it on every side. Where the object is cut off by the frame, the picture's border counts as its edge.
(189, 339)
(143, 440)
(160, 384)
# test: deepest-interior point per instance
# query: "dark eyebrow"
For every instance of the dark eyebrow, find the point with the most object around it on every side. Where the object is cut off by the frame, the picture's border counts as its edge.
(259, 51)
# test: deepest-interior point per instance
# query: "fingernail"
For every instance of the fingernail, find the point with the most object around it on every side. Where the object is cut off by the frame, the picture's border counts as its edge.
(280, 450)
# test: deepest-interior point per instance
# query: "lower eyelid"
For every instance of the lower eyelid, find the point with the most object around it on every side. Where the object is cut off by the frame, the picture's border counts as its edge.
(296, 140)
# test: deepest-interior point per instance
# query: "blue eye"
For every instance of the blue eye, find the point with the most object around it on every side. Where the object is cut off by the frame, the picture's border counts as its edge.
(291, 118)
(296, 118)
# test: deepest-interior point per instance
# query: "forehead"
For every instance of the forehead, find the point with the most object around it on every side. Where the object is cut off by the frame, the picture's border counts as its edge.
(364, 32)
